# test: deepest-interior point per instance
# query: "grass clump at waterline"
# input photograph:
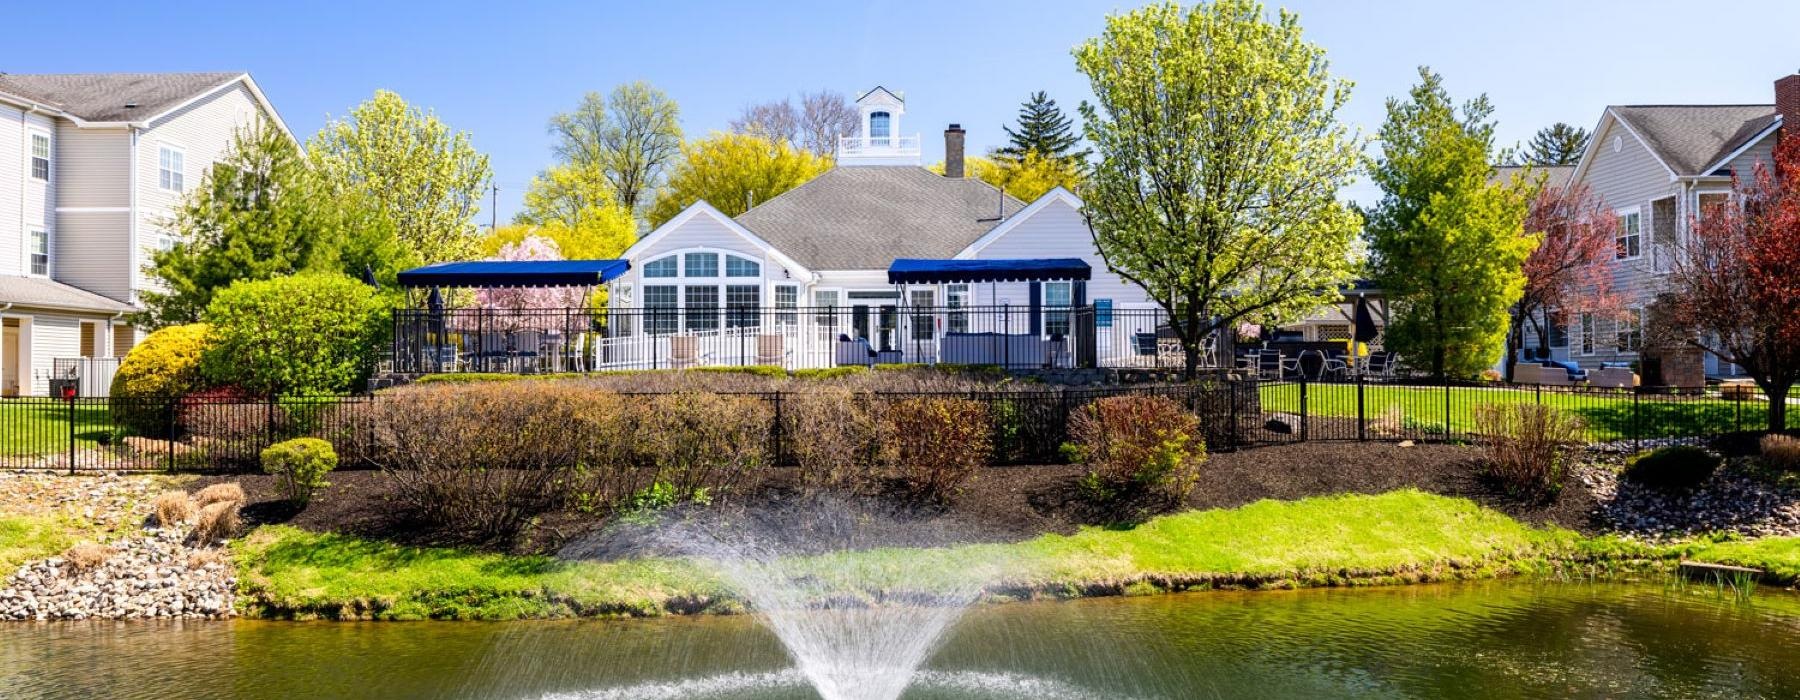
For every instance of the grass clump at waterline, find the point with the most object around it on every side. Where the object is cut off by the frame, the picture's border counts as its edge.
(1777, 557)
(1397, 537)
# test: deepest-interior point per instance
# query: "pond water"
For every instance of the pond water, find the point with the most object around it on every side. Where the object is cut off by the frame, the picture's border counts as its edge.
(1491, 639)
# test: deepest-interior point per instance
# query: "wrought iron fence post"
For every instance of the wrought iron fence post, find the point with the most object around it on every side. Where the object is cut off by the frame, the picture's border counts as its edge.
(1446, 408)
(169, 425)
(1362, 419)
(1637, 435)
(71, 402)
(780, 427)
(1303, 419)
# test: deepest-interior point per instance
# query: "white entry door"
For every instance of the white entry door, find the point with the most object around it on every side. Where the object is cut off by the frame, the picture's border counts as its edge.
(9, 357)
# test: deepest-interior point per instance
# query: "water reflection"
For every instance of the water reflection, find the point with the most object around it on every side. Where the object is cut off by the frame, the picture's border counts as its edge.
(1489, 639)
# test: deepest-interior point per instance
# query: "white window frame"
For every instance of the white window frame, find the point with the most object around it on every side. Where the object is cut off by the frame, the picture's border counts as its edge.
(171, 176)
(1059, 313)
(1700, 211)
(1623, 236)
(1620, 347)
(1590, 327)
(31, 156)
(31, 233)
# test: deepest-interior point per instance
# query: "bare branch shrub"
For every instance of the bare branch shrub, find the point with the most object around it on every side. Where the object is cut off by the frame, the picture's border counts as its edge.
(832, 434)
(700, 443)
(1136, 445)
(1525, 445)
(1781, 452)
(932, 445)
(173, 509)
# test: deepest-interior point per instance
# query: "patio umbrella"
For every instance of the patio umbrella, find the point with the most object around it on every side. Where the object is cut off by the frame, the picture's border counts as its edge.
(1365, 322)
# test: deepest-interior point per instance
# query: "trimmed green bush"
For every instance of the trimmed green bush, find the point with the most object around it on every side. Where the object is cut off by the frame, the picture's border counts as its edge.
(301, 464)
(822, 373)
(304, 334)
(165, 366)
(1674, 468)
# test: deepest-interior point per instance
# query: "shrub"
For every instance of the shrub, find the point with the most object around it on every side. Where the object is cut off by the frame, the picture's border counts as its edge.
(164, 366)
(772, 371)
(1138, 445)
(832, 435)
(481, 460)
(301, 464)
(173, 509)
(933, 445)
(1781, 452)
(304, 334)
(219, 493)
(701, 440)
(86, 556)
(1525, 445)
(820, 373)
(217, 522)
(1674, 468)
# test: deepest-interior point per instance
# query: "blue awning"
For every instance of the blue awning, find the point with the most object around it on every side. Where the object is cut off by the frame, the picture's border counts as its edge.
(515, 273)
(919, 271)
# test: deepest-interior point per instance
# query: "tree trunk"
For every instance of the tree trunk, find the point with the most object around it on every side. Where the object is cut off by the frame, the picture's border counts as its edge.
(1777, 406)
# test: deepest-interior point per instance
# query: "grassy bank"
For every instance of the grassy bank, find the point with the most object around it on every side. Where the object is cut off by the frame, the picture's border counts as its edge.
(1397, 537)
(27, 537)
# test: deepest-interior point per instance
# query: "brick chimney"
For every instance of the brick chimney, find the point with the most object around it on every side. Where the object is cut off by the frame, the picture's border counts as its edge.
(953, 147)
(1787, 104)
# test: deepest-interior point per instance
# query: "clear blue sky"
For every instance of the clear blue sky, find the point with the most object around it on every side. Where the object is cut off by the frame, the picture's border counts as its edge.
(500, 69)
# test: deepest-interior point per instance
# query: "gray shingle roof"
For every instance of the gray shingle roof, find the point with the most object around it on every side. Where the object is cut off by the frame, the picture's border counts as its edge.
(1692, 137)
(46, 293)
(102, 97)
(1554, 175)
(862, 218)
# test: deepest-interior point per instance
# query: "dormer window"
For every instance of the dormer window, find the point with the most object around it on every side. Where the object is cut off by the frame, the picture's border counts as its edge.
(878, 126)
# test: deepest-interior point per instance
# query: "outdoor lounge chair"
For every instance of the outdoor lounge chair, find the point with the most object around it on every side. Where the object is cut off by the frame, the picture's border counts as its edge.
(1269, 364)
(684, 351)
(1382, 363)
(1336, 364)
(771, 350)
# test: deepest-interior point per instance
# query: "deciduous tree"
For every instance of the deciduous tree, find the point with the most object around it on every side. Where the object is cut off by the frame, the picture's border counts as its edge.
(1733, 291)
(1570, 271)
(423, 178)
(1025, 179)
(631, 135)
(1448, 244)
(1223, 208)
(824, 116)
(733, 172)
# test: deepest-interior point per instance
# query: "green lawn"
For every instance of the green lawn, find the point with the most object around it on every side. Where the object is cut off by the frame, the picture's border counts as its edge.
(27, 537)
(1404, 535)
(41, 426)
(1608, 416)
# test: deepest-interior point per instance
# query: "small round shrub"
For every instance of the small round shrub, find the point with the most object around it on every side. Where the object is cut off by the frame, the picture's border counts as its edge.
(1674, 468)
(301, 464)
(304, 334)
(165, 366)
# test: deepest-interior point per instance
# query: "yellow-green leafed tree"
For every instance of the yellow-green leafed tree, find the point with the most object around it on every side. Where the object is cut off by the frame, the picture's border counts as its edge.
(1025, 179)
(574, 206)
(732, 172)
(1219, 159)
(1449, 246)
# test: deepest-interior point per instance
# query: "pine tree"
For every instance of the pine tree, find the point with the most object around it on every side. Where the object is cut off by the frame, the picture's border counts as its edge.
(1557, 144)
(1043, 129)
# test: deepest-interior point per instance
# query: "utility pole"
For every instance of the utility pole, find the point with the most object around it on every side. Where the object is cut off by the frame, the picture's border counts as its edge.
(493, 207)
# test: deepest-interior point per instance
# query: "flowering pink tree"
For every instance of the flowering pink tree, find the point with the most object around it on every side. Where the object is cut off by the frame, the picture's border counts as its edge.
(528, 307)
(1570, 271)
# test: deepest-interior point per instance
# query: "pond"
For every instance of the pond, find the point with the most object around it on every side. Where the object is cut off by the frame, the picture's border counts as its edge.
(1491, 639)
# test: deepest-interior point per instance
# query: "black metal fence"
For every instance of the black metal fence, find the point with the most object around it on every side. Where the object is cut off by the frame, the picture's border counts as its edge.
(1028, 427)
(525, 341)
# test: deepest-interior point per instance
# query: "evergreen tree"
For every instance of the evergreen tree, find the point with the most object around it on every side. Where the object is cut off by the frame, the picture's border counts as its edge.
(1557, 144)
(1044, 130)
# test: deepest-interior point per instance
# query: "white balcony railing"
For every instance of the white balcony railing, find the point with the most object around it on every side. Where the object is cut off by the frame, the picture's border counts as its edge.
(878, 146)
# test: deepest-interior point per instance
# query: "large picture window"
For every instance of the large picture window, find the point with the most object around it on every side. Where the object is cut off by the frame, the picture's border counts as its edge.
(662, 308)
(701, 308)
(741, 302)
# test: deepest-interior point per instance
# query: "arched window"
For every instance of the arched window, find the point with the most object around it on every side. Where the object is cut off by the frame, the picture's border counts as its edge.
(741, 267)
(878, 126)
(662, 267)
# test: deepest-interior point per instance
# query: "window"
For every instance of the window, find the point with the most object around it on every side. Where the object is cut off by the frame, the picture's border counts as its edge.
(169, 169)
(1103, 313)
(1588, 330)
(956, 296)
(1630, 331)
(1630, 241)
(702, 265)
(741, 302)
(787, 299)
(661, 308)
(1559, 333)
(1708, 204)
(924, 323)
(662, 267)
(40, 156)
(739, 267)
(1057, 298)
(40, 252)
(878, 126)
(825, 302)
(701, 307)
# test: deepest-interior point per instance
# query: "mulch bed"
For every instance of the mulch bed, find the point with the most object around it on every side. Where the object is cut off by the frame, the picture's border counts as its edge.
(1002, 504)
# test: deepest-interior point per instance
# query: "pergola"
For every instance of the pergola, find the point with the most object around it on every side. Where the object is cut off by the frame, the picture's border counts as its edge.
(1002, 342)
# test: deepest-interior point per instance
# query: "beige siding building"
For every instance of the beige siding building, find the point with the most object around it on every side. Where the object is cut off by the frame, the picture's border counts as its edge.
(101, 161)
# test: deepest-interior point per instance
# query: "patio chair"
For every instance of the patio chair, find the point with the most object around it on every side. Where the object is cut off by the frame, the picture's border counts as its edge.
(1336, 364)
(771, 349)
(1269, 364)
(1382, 363)
(1147, 347)
(684, 351)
